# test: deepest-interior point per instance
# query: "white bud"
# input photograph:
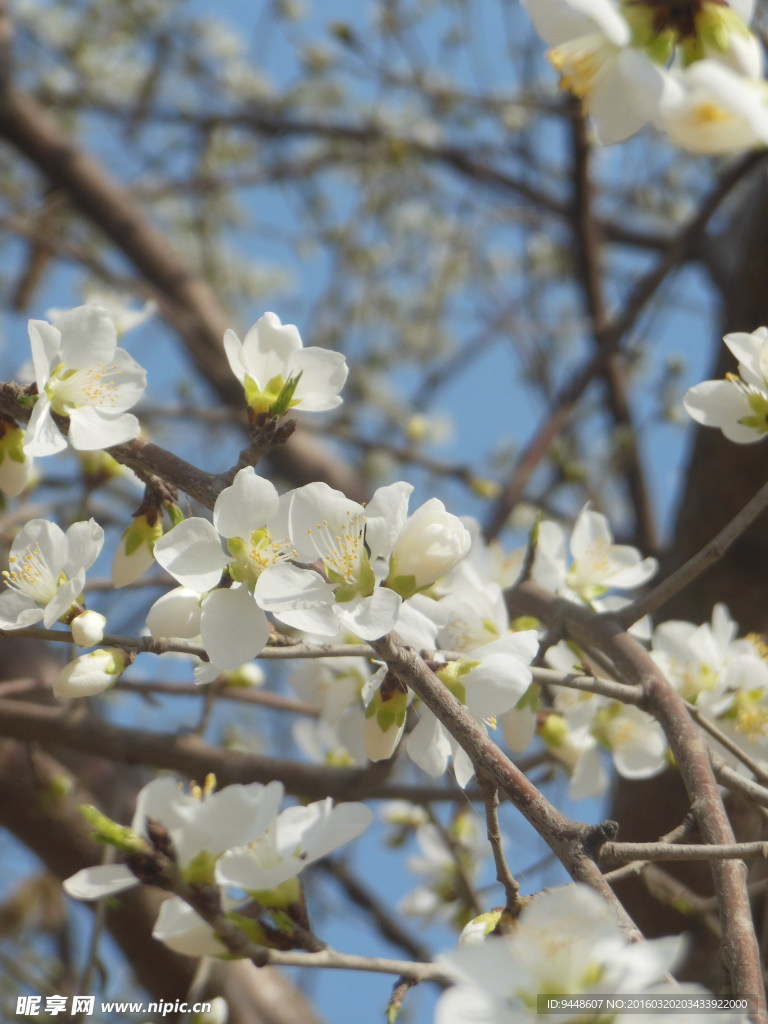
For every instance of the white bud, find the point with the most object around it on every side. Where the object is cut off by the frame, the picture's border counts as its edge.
(89, 674)
(431, 543)
(88, 628)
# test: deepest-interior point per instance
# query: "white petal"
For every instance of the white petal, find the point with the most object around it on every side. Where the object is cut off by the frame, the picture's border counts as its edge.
(182, 930)
(91, 430)
(313, 831)
(247, 505)
(85, 540)
(385, 516)
(323, 374)
(233, 348)
(720, 403)
(102, 880)
(18, 610)
(428, 745)
(371, 617)
(176, 613)
(45, 340)
(191, 552)
(233, 627)
(43, 437)
(88, 336)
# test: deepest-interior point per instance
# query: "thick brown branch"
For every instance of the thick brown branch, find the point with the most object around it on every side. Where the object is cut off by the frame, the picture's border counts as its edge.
(633, 663)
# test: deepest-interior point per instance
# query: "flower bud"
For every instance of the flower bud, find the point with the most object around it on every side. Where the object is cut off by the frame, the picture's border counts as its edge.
(16, 468)
(431, 543)
(135, 552)
(88, 628)
(90, 673)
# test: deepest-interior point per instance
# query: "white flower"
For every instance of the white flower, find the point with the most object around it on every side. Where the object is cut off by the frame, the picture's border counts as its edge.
(88, 628)
(176, 614)
(352, 545)
(737, 405)
(599, 564)
(430, 544)
(271, 357)
(201, 825)
(590, 50)
(233, 628)
(90, 673)
(81, 373)
(488, 682)
(566, 941)
(299, 836)
(710, 108)
(46, 571)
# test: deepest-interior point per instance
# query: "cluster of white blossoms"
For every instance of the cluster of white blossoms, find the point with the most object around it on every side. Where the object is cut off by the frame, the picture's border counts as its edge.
(566, 943)
(235, 841)
(693, 70)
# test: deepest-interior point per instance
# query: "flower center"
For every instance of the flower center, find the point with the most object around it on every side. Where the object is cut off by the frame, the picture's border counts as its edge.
(342, 553)
(30, 574)
(582, 63)
(94, 385)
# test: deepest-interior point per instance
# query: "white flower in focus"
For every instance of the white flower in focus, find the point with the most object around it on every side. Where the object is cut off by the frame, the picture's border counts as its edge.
(710, 108)
(737, 405)
(352, 544)
(46, 573)
(566, 941)
(599, 564)
(299, 836)
(88, 628)
(488, 682)
(271, 357)
(82, 374)
(431, 543)
(90, 674)
(233, 627)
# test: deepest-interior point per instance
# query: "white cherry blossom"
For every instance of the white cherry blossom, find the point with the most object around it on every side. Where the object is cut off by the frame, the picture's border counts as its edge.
(351, 545)
(737, 405)
(271, 356)
(600, 565)
(590, 49)
(299, 836)
(488, 682)
(246, 516)
(46, 571)
(202, 824)
(710, 108)
(566, 941)
(81, 373)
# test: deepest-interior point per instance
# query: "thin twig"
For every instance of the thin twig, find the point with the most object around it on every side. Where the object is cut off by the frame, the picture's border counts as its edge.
(503, 875)
(696, 565)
